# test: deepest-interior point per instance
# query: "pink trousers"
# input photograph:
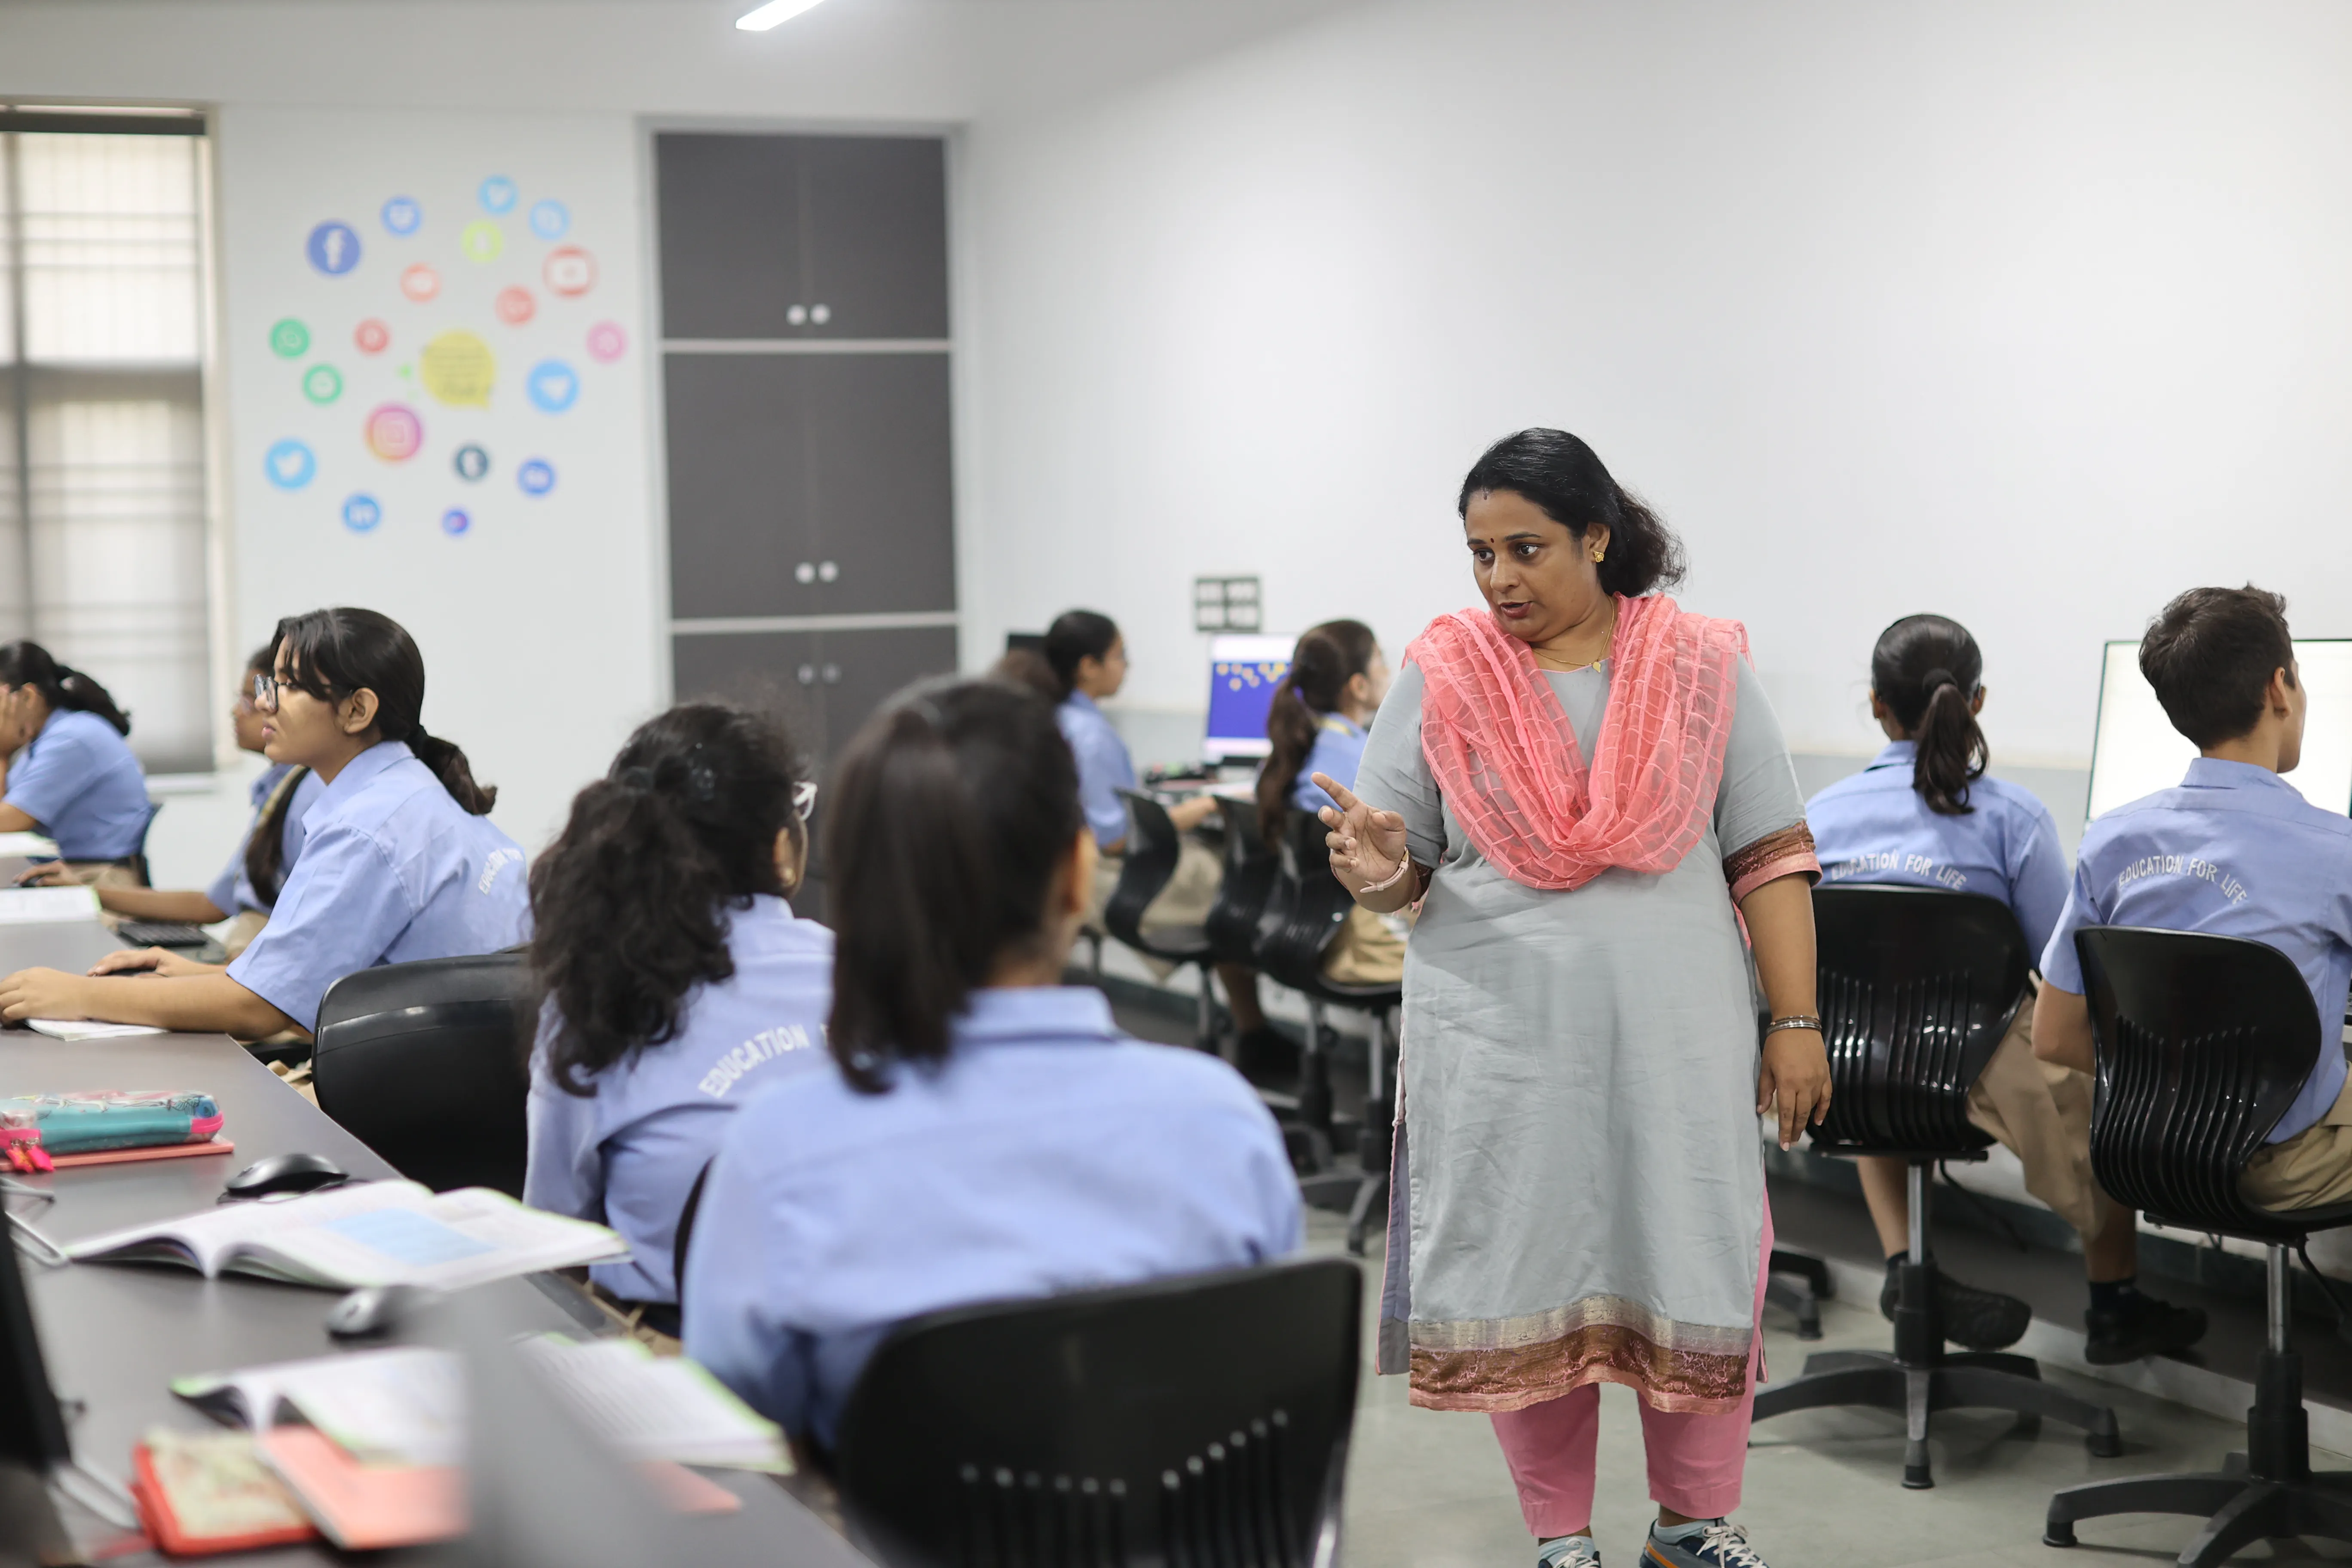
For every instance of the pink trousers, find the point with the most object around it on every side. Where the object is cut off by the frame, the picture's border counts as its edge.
(1695, 1461)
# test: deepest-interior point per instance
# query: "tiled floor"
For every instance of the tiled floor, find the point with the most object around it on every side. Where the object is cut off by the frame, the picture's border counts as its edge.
(1428, 1490)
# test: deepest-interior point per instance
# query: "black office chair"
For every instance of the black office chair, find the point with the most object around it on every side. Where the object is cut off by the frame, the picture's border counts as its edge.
(1918, 986)
(423, 1063)
(1198, 1422)
(1153, 847)
(1250, 865)
(2203, 1043)
(1303, 916)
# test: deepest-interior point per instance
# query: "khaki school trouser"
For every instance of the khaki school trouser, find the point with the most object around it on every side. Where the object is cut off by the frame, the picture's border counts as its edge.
(2041, 1112)
(2312, 1168)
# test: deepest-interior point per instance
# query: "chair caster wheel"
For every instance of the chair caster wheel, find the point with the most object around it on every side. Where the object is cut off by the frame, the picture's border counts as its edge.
(1918, 1479)
(2056, 1534)
(2106, 1442)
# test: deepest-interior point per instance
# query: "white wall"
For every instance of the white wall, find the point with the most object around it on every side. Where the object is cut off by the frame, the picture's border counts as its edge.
(2029, 313)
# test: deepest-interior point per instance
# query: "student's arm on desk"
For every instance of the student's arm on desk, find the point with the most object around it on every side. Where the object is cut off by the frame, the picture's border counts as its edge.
(12, 818)
(1188, 814)
(194, 1004)
(184, 904)
(2061, 1029)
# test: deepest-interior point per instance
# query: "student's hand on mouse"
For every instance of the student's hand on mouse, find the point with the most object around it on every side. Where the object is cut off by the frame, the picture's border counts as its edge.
(41, 994)
(1795, 1079)
(1367, 846)
(150, 961)
(47, 874)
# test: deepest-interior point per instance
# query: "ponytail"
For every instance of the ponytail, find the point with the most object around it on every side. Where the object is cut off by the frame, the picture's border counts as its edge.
(264, 850)
(953, 810)
(1325, 659)
(332, 653)
(24, 663)
(1928, 670)
(629, 905)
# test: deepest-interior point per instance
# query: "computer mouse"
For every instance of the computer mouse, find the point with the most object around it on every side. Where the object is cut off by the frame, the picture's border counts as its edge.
(372, 1310)
(283, 1173)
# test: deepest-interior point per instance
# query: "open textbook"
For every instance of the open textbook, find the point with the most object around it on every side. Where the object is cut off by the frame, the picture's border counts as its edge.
(374, 1232)
(31, 846)
(42, 906)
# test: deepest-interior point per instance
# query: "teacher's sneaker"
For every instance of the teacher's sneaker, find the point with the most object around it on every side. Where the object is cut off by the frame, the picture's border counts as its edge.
(1567, 1552)
(1702, 1543)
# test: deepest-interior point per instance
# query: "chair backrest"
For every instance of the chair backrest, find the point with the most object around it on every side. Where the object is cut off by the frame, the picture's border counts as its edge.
(1250, 865)
(1152, 847)
(1916, 988)
(1200, 1422)
(422, 1063)
(1306, 908)
(2203, 1043)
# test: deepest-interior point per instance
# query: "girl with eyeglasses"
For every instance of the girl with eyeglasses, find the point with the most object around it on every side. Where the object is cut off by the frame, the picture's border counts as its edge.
(676, 979)
(400, 862)
(246, 889)
(66, 771)
(982, 1132)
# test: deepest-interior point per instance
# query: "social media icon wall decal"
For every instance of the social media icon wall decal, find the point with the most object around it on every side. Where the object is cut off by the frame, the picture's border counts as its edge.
(361, 512)
(482, 240)
(394, 432)
(569, 271)
(537, 476)
(420, 283)
(370, 336)
(606, 341)
(333, 249)
(554, 386)
(497, 194)
(550, 219)
(515, 306)
(289, 465)
(290, 339)
(322, 384)
(455, 521)
(471, 462)
(402, 214)
(458, 368)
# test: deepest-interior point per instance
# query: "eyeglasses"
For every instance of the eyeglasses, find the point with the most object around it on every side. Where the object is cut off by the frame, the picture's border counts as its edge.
(803, 798)
(264, 697)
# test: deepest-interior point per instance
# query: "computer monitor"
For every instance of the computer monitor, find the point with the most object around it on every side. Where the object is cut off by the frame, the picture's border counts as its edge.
(1242, 672)
(2135, 750)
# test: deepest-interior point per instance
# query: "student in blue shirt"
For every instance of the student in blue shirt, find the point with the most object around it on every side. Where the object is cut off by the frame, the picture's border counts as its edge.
(1088, 658)
(401, 862)
(248, 885)
(1924, 813)
(1316, 723)
(68, 773)
(984, 1132)
(676, 979)
(2235, 851)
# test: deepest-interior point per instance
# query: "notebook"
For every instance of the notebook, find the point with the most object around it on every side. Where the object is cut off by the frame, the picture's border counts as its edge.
(372, 1233)
(361, 1507)
(31, 846)
(658, 1408)
(87, 1029)
(27, 906)
(397, 1405)
(205, 1492)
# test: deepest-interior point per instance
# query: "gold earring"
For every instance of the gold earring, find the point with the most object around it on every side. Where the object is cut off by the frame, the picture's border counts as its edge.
(1597, 555)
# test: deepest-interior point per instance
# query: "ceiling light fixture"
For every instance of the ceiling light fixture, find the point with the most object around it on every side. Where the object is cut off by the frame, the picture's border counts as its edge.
(774, 13)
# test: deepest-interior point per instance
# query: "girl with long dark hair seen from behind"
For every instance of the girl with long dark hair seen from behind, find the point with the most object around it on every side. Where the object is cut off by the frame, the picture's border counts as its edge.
(247, 888)
(400, 861)
(1316, 724)
(68, 772)
(676, 979)
(1924, 813)
(986, 1133)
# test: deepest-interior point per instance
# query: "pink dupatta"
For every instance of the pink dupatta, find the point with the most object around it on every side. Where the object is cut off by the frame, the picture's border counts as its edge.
(1502, 752)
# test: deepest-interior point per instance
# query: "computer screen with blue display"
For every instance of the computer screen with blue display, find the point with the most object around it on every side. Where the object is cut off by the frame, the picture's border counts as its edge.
(1243, 673)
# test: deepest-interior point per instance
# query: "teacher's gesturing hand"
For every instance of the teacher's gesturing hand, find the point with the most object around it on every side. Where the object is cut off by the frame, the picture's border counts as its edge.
(1368, 850)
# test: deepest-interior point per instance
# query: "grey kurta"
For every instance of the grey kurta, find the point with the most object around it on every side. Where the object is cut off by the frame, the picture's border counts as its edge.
(1583, 1197)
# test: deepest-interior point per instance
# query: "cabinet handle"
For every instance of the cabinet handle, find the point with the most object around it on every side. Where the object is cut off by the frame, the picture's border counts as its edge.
(821, 314)
(808, 674)
(832, 675)
(805, 572)
(798, 315)
(826, 570)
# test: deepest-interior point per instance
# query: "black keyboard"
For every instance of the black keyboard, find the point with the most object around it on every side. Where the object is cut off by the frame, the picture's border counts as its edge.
(161, 933)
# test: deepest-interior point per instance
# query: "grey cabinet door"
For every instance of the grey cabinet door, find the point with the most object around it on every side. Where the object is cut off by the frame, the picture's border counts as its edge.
(732, 262)
(741, 523)
(881, 489)
(876, 214)
(780, 673)
(861, 670)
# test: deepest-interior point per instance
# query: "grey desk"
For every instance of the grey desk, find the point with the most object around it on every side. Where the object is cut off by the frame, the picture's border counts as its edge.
(115, 1335)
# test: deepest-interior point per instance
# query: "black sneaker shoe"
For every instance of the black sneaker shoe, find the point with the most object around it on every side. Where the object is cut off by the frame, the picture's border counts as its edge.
(2144, 1328)
(1267, 1057)
(1973, 1318)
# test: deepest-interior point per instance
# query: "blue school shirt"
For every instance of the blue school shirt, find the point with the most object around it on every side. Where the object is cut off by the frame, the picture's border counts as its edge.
(1104, 766)
(1049, 1154)
(1338, 752)
(393, 869)
(627, 1155)
(233, 890)
(2234, 851)
(78, 779)
(1875, 827)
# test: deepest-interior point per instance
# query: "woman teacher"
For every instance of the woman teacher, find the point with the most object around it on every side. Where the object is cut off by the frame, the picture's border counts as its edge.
(1585, 782)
